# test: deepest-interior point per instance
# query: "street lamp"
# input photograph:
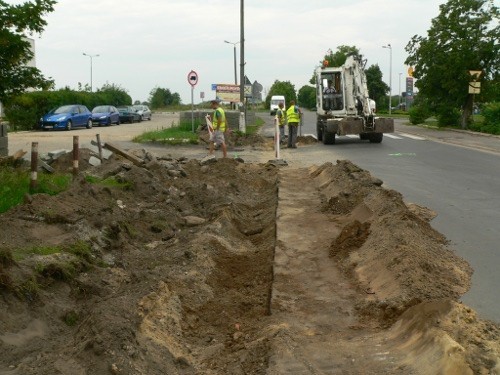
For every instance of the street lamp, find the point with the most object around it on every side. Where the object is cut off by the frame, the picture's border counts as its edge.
(390, 74)
(235, 74)
(91, 56)
(399, 102)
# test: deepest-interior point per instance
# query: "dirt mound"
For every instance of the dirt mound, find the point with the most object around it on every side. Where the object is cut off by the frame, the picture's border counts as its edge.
(180, 267)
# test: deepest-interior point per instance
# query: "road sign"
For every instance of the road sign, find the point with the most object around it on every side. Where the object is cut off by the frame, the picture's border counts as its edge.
(475, 74)
(248, 91)
(474, 87)
(193, 78)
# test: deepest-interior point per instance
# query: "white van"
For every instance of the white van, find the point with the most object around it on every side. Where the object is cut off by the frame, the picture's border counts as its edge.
(275, 100)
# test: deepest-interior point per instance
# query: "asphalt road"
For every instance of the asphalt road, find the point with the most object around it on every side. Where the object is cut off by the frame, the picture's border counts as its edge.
(456, 174)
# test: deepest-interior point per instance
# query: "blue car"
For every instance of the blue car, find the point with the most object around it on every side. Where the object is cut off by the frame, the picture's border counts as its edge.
(67, 117)
(105, 115)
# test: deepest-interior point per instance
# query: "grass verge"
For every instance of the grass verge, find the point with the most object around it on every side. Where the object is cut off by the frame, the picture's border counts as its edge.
(15, 184)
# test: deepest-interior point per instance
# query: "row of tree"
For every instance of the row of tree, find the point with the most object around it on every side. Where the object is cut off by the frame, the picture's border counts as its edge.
(463, 37)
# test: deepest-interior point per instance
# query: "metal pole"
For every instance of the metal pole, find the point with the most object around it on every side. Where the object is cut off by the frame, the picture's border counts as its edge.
(76, 155)
(390, 79)
(91, 74)
(234, 59)
(34, 166)
(235, 74)
(192, 109)
(91, 63)
(399, 101)
(390, 74)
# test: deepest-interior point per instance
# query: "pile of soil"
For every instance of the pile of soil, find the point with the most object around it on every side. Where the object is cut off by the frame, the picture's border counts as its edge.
(179, 266)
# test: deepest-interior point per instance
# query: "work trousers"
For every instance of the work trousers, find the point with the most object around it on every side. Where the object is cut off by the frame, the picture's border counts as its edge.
(292, 134)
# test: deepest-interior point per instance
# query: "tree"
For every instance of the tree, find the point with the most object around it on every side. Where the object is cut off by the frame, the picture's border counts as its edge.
(114, 95)
(377, 88)
(161, 98)
(307, 97)
(16, 22)
(463, 37)
(336, 59)
(281, 88)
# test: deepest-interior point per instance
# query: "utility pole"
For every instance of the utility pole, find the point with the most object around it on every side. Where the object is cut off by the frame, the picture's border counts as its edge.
(242, 52)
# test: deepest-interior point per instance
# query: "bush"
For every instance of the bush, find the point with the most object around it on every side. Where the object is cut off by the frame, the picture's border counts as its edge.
(448, 116)
(24, 111)
(491, 119)
(491, 113)
(418, 114)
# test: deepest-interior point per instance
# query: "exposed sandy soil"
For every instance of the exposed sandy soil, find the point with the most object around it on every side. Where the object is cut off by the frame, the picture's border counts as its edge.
(233, 268)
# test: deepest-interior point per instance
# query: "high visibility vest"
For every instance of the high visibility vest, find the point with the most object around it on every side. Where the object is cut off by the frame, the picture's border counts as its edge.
(222, 116)
(281, 116)
(292, 116)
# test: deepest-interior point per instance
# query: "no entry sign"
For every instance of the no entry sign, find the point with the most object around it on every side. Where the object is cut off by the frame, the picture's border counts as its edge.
(193, 78)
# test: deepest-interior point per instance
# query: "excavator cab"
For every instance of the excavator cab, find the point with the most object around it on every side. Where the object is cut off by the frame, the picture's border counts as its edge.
(331, 91)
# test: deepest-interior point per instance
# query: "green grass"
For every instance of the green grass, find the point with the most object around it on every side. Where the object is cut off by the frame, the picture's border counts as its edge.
(15, 184)
(80, 249)
(109, 182)
(175, 135)
(183, 134)
(20, 254)
(254, 128)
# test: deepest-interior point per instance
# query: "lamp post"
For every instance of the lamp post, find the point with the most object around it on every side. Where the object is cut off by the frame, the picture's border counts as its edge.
(390, 74)
(235, 74)
(90, 56)
(399, 101)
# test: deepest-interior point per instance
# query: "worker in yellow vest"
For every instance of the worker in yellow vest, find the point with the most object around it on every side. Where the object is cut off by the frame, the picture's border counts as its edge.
(293, 114)
(281, 115)
(220, 125)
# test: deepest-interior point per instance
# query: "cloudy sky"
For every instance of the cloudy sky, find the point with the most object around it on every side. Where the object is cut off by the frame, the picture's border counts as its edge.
(156, 43)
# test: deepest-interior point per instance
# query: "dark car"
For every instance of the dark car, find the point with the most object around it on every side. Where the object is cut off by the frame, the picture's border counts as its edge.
(128, 114)
(143, 111)
(67, 117)
(105, 115)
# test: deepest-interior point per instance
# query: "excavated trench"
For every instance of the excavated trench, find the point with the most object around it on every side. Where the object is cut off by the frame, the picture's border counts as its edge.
(235, 268)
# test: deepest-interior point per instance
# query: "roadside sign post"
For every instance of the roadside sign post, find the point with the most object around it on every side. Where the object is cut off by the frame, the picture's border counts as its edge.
(192, 80)
(475, 85)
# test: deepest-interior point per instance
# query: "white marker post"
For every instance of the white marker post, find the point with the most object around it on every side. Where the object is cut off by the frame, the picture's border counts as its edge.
(277, 140)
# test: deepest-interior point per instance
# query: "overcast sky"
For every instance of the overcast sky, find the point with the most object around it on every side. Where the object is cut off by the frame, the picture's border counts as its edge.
(156, 43)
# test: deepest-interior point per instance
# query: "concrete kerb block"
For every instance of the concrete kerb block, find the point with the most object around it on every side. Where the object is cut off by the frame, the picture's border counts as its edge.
(57, 153)
(94, 161)
(106, 154)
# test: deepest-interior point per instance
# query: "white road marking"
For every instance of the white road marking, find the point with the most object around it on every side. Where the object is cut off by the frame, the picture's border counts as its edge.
(411, 136)
(390, 135)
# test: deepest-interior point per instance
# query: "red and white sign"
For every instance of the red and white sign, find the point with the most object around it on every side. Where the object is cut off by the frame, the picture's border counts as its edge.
(193, 78)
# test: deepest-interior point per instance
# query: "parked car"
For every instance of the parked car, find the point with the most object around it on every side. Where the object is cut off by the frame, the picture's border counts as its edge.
(67, 117)
(105, 115)
(143, 111)
(128, 114)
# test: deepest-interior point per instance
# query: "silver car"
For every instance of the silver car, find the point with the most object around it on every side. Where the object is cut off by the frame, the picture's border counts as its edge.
(143, 111)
